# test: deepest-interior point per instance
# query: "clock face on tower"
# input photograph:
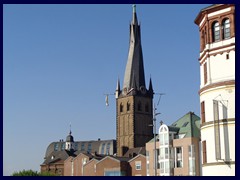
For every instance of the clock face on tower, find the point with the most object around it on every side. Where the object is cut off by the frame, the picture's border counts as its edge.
(143, 90)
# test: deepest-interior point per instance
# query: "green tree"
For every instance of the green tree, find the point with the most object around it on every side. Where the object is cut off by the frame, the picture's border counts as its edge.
(32, 173)
(25, 173)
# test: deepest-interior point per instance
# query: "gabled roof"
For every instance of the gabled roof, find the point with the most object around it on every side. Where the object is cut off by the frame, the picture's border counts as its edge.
(93, 159)
(115, 158)
(137, 157)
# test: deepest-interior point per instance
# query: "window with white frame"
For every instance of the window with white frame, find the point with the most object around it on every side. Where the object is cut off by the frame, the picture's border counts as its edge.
(216, 31)
(179, 159)
(226, 28)
(138, 165)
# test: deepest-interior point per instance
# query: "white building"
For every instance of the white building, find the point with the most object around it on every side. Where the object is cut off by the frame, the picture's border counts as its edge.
(217, 89)
(177, 148)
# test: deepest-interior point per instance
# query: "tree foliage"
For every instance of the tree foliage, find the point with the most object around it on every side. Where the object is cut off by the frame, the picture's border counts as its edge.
(32, 173)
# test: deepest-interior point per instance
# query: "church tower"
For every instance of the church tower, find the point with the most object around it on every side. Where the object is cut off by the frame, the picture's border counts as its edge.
(69, 145)
(134, 100)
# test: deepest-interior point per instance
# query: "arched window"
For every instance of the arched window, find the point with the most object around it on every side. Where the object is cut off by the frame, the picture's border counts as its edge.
(226, 28)
(121, 107)
(146, 108)
(128, 106)
(139, 106)
(216, 31)
(202, 40)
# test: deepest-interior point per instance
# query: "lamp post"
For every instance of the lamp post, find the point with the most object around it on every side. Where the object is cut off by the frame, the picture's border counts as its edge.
(154, 124)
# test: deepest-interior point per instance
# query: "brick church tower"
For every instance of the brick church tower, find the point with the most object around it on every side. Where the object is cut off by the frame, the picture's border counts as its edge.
(134, 100)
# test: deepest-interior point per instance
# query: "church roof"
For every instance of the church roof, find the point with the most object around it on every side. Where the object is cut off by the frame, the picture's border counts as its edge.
(83, 146)
(134, 72)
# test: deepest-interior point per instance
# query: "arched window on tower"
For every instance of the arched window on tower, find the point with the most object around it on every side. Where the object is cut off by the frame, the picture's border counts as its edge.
(205, 36)
(128, 106)
(139, 106)
(202, 40)
(226, 28)
(146, 108)
(215, 31)
(121, 107)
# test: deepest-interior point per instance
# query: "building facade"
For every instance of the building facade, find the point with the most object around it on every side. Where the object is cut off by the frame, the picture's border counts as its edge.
(177, 148)
(134, 100)
(59, 152)
(217, 89)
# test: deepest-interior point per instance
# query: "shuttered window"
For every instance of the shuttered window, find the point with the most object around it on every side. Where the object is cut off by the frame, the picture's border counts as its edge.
(204, 151)
(203, 112)
(205, 72)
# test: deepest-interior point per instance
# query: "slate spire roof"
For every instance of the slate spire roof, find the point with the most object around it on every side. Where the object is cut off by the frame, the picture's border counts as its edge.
(134, 72)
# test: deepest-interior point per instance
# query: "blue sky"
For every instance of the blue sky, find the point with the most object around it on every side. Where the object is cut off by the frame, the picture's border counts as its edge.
(60, 60)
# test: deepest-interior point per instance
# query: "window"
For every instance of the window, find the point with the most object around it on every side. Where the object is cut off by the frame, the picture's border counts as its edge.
(191, 151)
(216, 31)
(63, 146)
(146, 108)
(166, 153)
(89, 147)
(161, 167)
(205, 73)
(162, 153)
(202, 40)
(203, 112)
(185, 124)
(227, 56)
(179, 157)
(76, 146)
(226, 28)
(121, 107)
(103, 147)
(128, 106)
(83, 146)
(139, 106)
(114, 173)
(138, 165)
(204, 151)
(191, 160)
(108, 148)
(56, 147)
(158, 160)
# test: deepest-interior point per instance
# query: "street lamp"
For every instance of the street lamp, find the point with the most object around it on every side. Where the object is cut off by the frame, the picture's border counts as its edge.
(154, 124)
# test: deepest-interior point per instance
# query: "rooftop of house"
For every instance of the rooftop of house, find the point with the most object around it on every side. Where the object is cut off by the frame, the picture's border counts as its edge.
(188, 126)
